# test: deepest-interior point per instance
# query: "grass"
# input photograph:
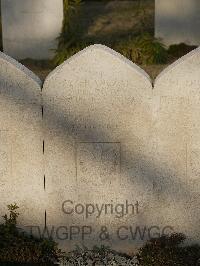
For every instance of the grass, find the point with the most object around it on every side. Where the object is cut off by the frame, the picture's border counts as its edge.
(43, 68)
(119, 25)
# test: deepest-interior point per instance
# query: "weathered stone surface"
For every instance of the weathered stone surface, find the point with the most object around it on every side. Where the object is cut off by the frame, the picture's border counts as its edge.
(21, 140)
(97, 115)
(111, 139)
(30, 27)
(177, 138)
(177, 21)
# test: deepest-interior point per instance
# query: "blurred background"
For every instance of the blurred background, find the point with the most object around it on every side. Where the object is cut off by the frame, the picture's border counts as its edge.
(151, 33)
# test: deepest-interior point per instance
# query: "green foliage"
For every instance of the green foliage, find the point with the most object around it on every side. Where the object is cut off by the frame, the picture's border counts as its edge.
(98, 256)
(16, 247)
(143, 49)
(163, 251)
(169, 251)
(71, 11)
(179, 50)
(67, 40)
(20, 248)
(68, 50)
(11, 220)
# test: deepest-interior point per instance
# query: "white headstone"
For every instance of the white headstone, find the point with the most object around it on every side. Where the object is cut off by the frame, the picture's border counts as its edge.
(114, 161)
(177, 144)
(177, 21)
(30, 27)
(21, 141)
(97, 115)
(111, 139)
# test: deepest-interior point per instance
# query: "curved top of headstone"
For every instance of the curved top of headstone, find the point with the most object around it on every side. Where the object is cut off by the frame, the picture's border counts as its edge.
(182, 78)
(98, 59)
(15, 64)
(17, 81)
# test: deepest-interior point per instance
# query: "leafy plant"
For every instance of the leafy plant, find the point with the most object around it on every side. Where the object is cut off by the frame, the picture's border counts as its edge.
(98, 256)
(20, 248)
(169, 251)
(68, 37)
(179, 50)
(68, 50)
(71, 11)
(144, 49)
(16, 247)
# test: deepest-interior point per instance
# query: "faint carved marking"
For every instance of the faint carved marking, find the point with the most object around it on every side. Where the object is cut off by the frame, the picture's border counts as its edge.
(3, 163)
(194, 164)
(4, 157)
(98, 162)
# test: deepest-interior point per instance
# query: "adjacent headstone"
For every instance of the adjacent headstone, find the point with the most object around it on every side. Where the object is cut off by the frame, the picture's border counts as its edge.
(30, 27)
(177, 21)
(177, 144)
(104, 158)
(21, 141)
(121, 159)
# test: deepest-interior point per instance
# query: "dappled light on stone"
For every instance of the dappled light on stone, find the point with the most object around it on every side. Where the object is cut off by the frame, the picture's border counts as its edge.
(101, 154)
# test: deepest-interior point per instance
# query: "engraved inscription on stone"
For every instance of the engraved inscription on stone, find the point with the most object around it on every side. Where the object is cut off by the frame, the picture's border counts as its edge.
(4, 157)
(3, 163)
(193, 163)
(97, 159)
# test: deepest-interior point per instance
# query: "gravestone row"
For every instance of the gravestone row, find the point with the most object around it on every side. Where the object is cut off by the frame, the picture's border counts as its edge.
(100, 155)
(30, 28)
